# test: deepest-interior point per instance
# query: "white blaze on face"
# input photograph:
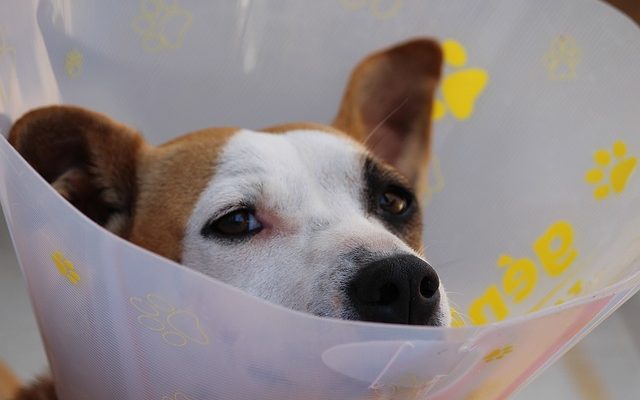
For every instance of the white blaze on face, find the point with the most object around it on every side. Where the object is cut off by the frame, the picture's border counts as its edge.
(307, 190)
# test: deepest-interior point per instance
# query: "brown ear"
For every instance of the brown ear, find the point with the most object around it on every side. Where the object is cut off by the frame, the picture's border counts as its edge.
(88, 158)
(387, 105)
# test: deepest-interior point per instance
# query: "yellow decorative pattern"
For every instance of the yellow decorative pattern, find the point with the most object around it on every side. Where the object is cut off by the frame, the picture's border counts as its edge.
(555, 254)
(65, 267)
(73, 63)
(177, 327)
(162, 25)
(612, 171)
(520, 277)
(461, 88)
(563, 58)
(497, 354)
(380, 9)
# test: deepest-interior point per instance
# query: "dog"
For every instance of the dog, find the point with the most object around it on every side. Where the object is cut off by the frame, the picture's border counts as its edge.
(321, 219)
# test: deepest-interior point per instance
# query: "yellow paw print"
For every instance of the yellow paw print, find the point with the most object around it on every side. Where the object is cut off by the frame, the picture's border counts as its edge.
(162, 25)
(177, 327)
(380, 9)
(461, 88)
(563, 58)
(73, 63)
(177, 396)
(619, 168)
(497, 354)
(65, 267)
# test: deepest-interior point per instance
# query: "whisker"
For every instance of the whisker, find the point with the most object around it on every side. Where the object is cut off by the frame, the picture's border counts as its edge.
(384, 120)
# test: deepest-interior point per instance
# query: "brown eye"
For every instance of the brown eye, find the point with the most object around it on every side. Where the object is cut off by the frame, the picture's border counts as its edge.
(236, 224)
(394, 201)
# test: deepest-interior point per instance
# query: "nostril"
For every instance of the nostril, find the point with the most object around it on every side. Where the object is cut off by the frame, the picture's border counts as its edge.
(388, 294)
(429, 287)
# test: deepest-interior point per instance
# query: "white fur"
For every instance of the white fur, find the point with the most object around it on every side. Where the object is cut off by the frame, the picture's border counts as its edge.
(307, 189)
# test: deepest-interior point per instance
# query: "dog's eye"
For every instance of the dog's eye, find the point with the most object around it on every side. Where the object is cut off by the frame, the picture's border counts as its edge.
(394, 201)
(236, 223)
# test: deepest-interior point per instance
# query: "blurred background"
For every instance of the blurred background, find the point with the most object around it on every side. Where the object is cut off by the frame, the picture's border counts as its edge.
(605, 365)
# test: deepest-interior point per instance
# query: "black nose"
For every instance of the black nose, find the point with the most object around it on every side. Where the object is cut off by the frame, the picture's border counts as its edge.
(401, 290)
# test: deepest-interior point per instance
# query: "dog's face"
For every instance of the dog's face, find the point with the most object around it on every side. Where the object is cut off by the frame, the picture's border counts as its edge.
(319, 219)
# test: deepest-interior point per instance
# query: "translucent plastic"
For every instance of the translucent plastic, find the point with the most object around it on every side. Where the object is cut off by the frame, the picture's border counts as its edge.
(532, 216)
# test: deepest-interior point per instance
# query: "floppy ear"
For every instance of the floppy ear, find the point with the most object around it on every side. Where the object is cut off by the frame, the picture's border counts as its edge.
(387, 105)
(88, 158)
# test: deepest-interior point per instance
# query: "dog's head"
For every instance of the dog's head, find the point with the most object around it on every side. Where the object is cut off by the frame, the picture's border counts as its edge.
(319, 219)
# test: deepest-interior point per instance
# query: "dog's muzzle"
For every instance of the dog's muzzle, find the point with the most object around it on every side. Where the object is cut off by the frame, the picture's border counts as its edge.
(401, 289)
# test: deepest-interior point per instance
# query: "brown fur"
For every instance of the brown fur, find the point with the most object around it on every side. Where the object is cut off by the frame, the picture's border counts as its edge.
(146, 194)
(90, 158)
(41, 389)
(9, 382)
(294, 126)
(108, 172)
(387, 105)
(171, 178)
